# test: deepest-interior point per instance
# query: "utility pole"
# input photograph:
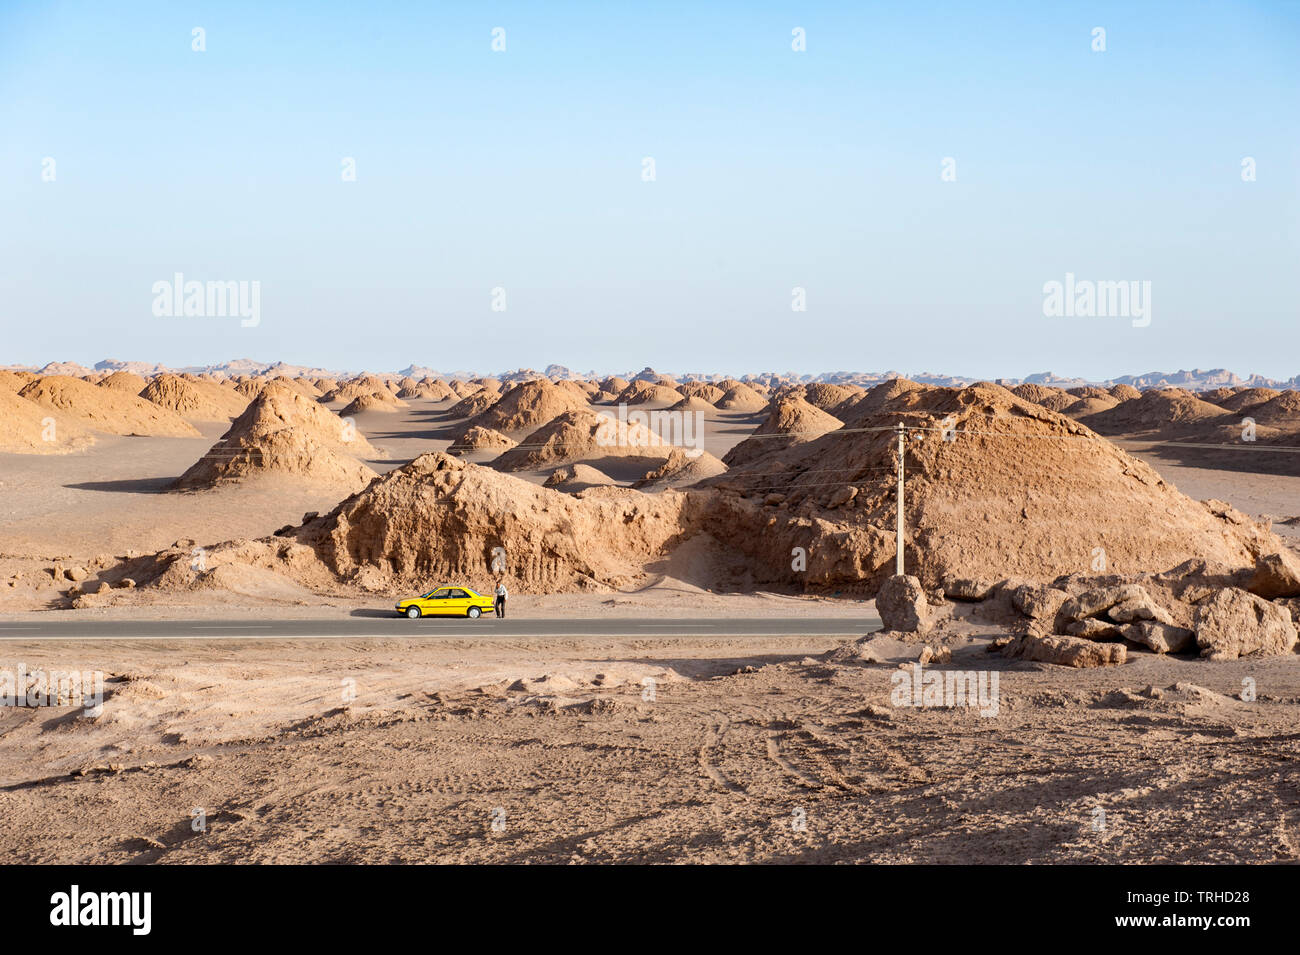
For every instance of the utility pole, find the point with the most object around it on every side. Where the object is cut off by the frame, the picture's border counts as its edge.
(898, 560)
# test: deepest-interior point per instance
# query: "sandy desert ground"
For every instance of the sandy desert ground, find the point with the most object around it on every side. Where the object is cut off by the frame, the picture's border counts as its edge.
(686, 748)
(750, 751)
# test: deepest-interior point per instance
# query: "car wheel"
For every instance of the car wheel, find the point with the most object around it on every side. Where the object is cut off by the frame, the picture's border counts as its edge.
(475, 613)
(413, 613)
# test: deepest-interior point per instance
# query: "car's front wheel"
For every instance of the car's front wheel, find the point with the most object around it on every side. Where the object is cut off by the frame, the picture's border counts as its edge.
(475, 613)
(413, 613)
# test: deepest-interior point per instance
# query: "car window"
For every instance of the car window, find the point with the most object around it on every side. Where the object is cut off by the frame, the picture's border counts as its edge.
(459, 594)
(441, 594)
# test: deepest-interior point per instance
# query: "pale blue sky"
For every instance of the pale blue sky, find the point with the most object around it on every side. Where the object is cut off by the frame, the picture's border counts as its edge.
(775, 169)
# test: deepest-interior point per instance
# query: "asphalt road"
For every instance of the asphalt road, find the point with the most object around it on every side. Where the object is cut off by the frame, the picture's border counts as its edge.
(381, 626)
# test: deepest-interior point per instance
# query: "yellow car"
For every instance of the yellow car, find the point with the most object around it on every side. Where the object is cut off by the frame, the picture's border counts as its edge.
(445, 601)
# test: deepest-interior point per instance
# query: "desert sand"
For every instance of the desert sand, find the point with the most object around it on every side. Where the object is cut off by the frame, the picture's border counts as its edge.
(1160, 686)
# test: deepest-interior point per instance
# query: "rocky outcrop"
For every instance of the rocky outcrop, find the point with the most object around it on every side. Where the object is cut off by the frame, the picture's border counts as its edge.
(1234, 623)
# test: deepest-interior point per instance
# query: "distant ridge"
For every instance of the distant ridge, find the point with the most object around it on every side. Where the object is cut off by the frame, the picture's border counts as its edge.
(1196, 379)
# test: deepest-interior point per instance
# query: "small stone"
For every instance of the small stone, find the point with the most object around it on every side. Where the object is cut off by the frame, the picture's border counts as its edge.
(842, 496)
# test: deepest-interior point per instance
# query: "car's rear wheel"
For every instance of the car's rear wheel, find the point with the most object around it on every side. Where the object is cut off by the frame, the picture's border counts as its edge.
(474, 612)
(413, 613)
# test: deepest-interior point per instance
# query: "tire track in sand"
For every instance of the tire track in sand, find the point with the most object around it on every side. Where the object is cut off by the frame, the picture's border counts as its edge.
(714, 730)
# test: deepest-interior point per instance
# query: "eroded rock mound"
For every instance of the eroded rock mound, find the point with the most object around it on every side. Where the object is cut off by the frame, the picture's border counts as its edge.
(1016, 490)
(481, 439)
(383, 401)
(703, 393)
(196, 399)
(528, 405)
(285, 433)
(28, 428)
(1166, 412)
(357, 388)
(439, 518)
(1242, 400)
(123, 380)
(792, 421)
(648, 392)
(106, 409)
(1122, 392)
(741, 398)
(573, 478)
(693, 403)
(596, 438)
(827, 397)
(475, 402)
(681, 469)
(431, 389)
(15, 381)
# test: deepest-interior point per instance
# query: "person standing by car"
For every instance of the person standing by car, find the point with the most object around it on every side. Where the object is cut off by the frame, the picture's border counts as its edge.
(501, 594)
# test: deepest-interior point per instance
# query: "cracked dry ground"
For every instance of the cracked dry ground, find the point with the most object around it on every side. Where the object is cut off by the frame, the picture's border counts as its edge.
(715, 769)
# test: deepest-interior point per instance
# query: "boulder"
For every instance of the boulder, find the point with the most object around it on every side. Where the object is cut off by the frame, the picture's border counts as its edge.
(1092, 602)
(1276, 575)
(966, 588)
(1066, 651)
(1039, 602)
(1160, 637)
(902, 605)
(842, 496)
(1138, 608)
(1090, 628)
(1292, 606)
(1234, 623)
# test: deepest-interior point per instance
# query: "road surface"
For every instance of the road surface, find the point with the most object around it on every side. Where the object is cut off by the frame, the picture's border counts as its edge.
(486, 627)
